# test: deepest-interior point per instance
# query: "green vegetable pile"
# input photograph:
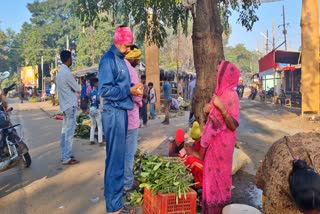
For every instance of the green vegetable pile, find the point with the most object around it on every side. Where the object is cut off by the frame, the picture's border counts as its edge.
(167, 175)
(82, 131)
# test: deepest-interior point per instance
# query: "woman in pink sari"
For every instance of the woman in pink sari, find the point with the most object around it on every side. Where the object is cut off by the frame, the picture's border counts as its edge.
(219, 138)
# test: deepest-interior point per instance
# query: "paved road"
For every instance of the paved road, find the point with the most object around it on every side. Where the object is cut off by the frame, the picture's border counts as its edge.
(49, 187)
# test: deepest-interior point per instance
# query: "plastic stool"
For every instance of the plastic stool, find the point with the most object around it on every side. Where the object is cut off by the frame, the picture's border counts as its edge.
(287, 102)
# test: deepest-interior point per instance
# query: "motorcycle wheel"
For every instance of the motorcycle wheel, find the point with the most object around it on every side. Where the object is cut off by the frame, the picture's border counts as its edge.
(26, 159)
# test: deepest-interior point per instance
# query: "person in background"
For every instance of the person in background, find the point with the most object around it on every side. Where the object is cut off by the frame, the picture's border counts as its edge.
(3, 101)
(240, 88)
(88, 87)
(21, 91)
(53, 93)
(116, 90)
(195, 154)
(68, 88)
(181, 100)
(192, 156)
(153, 100)
(132, 59)
(30, 91)
(180, 87)
(143, 109)
(94, 112)
(174, 104)
(83, 97)
(176, 145)
(289, 175)
(166, 89)
(219, 138)
(192, 85)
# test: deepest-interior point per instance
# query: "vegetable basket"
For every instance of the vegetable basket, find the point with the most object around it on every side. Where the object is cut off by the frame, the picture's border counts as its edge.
(168, 203)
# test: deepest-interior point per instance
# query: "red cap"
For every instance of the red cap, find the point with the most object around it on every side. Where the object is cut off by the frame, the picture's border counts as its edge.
(179, 136)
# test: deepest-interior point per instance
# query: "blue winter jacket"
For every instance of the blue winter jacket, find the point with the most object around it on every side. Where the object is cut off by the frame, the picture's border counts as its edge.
(114, 80)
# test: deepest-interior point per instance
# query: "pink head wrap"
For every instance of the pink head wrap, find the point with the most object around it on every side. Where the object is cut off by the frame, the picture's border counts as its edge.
(123, 35)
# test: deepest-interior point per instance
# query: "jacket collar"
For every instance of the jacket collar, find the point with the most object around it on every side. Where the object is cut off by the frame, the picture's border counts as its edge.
(116, 51)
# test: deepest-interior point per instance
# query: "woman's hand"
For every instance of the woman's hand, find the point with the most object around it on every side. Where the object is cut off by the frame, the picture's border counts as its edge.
(217, 102)
(188, 149)
(207, 108)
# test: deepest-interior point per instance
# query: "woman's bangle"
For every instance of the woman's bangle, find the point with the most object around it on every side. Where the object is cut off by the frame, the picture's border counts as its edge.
(224, 113)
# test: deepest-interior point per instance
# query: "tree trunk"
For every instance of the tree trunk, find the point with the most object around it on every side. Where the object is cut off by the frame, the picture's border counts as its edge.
(207, 51)
(310, 75)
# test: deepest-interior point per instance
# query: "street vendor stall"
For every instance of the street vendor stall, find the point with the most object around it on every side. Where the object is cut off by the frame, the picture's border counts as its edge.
(282, 70)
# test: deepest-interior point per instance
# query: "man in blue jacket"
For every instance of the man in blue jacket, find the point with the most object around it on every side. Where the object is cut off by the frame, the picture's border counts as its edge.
(116, 90)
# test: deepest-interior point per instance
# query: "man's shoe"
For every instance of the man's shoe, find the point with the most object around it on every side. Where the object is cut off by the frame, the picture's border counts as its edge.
(165, 122)
(70, 162)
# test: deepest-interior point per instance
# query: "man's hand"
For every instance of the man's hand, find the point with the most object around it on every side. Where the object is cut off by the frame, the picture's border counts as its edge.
(137, 90)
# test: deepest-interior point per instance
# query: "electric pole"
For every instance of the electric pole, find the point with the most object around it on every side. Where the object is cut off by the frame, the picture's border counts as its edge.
(92, 44)
(273, 36)
(42, 82)
(284, 27)
(267, 44)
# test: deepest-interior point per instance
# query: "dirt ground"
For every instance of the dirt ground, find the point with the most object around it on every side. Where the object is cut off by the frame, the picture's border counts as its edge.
(49, 187)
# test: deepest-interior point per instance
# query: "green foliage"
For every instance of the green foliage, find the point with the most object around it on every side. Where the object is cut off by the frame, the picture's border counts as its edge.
(14, 43)
(165, 14)
(245, 8)
(12, 79)
(243, 58)
(10, 56)
(101, 37)
(51, 22)
(3, 51)
(158, 173)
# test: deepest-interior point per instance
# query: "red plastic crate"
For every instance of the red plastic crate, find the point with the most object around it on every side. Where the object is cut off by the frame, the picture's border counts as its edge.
(166, 203)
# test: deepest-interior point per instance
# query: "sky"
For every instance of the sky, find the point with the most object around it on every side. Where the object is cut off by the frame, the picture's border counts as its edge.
(13, 13)
(266, 13)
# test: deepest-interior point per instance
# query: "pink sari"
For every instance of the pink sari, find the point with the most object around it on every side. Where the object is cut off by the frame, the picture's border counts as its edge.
(219, 142)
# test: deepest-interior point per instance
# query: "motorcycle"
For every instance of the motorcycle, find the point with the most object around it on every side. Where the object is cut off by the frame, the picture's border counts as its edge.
(13, 150)
(267, 94)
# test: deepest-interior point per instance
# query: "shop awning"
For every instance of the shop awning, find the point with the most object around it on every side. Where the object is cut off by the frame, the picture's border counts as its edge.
(269, 62)
(86, 71)
(288, 57)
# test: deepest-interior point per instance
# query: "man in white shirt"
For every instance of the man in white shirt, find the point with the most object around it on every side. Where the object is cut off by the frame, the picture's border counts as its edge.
(53, 92)
(68, 89)
(153, 100)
